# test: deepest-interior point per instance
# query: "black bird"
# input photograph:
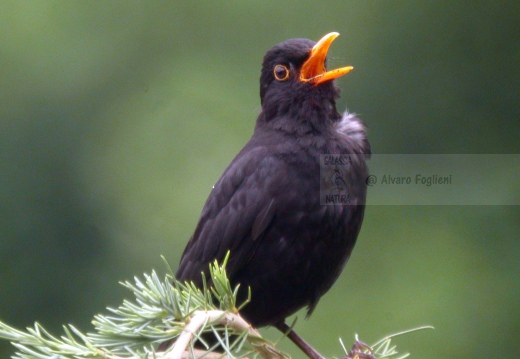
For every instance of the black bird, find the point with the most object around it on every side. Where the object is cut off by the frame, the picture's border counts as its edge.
(285, 244)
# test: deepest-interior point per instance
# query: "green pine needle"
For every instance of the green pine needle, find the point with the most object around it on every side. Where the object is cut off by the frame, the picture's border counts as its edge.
(163, 311)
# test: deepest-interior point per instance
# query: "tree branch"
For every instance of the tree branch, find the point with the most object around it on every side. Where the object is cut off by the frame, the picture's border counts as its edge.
(166, 311)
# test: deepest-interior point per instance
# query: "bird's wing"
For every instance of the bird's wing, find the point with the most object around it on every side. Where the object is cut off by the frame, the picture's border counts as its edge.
(235, 216)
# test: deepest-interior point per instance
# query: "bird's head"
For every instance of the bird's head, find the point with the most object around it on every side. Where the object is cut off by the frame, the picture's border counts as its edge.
(295, 81)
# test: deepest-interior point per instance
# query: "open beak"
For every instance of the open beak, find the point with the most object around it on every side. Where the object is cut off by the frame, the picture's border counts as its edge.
(313, 70)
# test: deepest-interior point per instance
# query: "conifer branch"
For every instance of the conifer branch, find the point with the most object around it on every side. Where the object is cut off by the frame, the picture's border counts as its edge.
(166, 311)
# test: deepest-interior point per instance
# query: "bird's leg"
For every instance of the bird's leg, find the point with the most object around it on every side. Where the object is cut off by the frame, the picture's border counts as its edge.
(299, 341)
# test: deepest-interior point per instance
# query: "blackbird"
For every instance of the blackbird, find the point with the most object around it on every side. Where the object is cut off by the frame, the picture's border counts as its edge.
(285, 244)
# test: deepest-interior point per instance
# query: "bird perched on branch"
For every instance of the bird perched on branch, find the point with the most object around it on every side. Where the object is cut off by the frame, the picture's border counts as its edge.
(267, 209)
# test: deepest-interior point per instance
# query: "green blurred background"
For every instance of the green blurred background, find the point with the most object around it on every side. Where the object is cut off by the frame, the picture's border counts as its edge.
(116, 118)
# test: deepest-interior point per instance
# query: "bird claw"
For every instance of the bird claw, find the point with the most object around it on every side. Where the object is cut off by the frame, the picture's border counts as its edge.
(360, 350)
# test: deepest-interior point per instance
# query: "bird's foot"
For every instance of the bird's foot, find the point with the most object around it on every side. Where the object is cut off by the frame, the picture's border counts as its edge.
(360, 350)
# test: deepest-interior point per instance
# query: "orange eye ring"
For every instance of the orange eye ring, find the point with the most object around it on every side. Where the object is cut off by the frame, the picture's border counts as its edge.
(281, 72)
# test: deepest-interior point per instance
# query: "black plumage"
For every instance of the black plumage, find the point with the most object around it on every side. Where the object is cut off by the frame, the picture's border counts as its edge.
(265, 209)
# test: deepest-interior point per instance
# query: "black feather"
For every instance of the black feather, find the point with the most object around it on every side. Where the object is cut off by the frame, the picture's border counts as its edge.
(286, 246)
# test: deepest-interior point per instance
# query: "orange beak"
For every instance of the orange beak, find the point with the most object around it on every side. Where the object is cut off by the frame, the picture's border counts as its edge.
(313, 70)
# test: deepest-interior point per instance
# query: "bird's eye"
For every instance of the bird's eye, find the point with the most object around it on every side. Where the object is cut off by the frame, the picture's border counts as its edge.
(281, 72)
